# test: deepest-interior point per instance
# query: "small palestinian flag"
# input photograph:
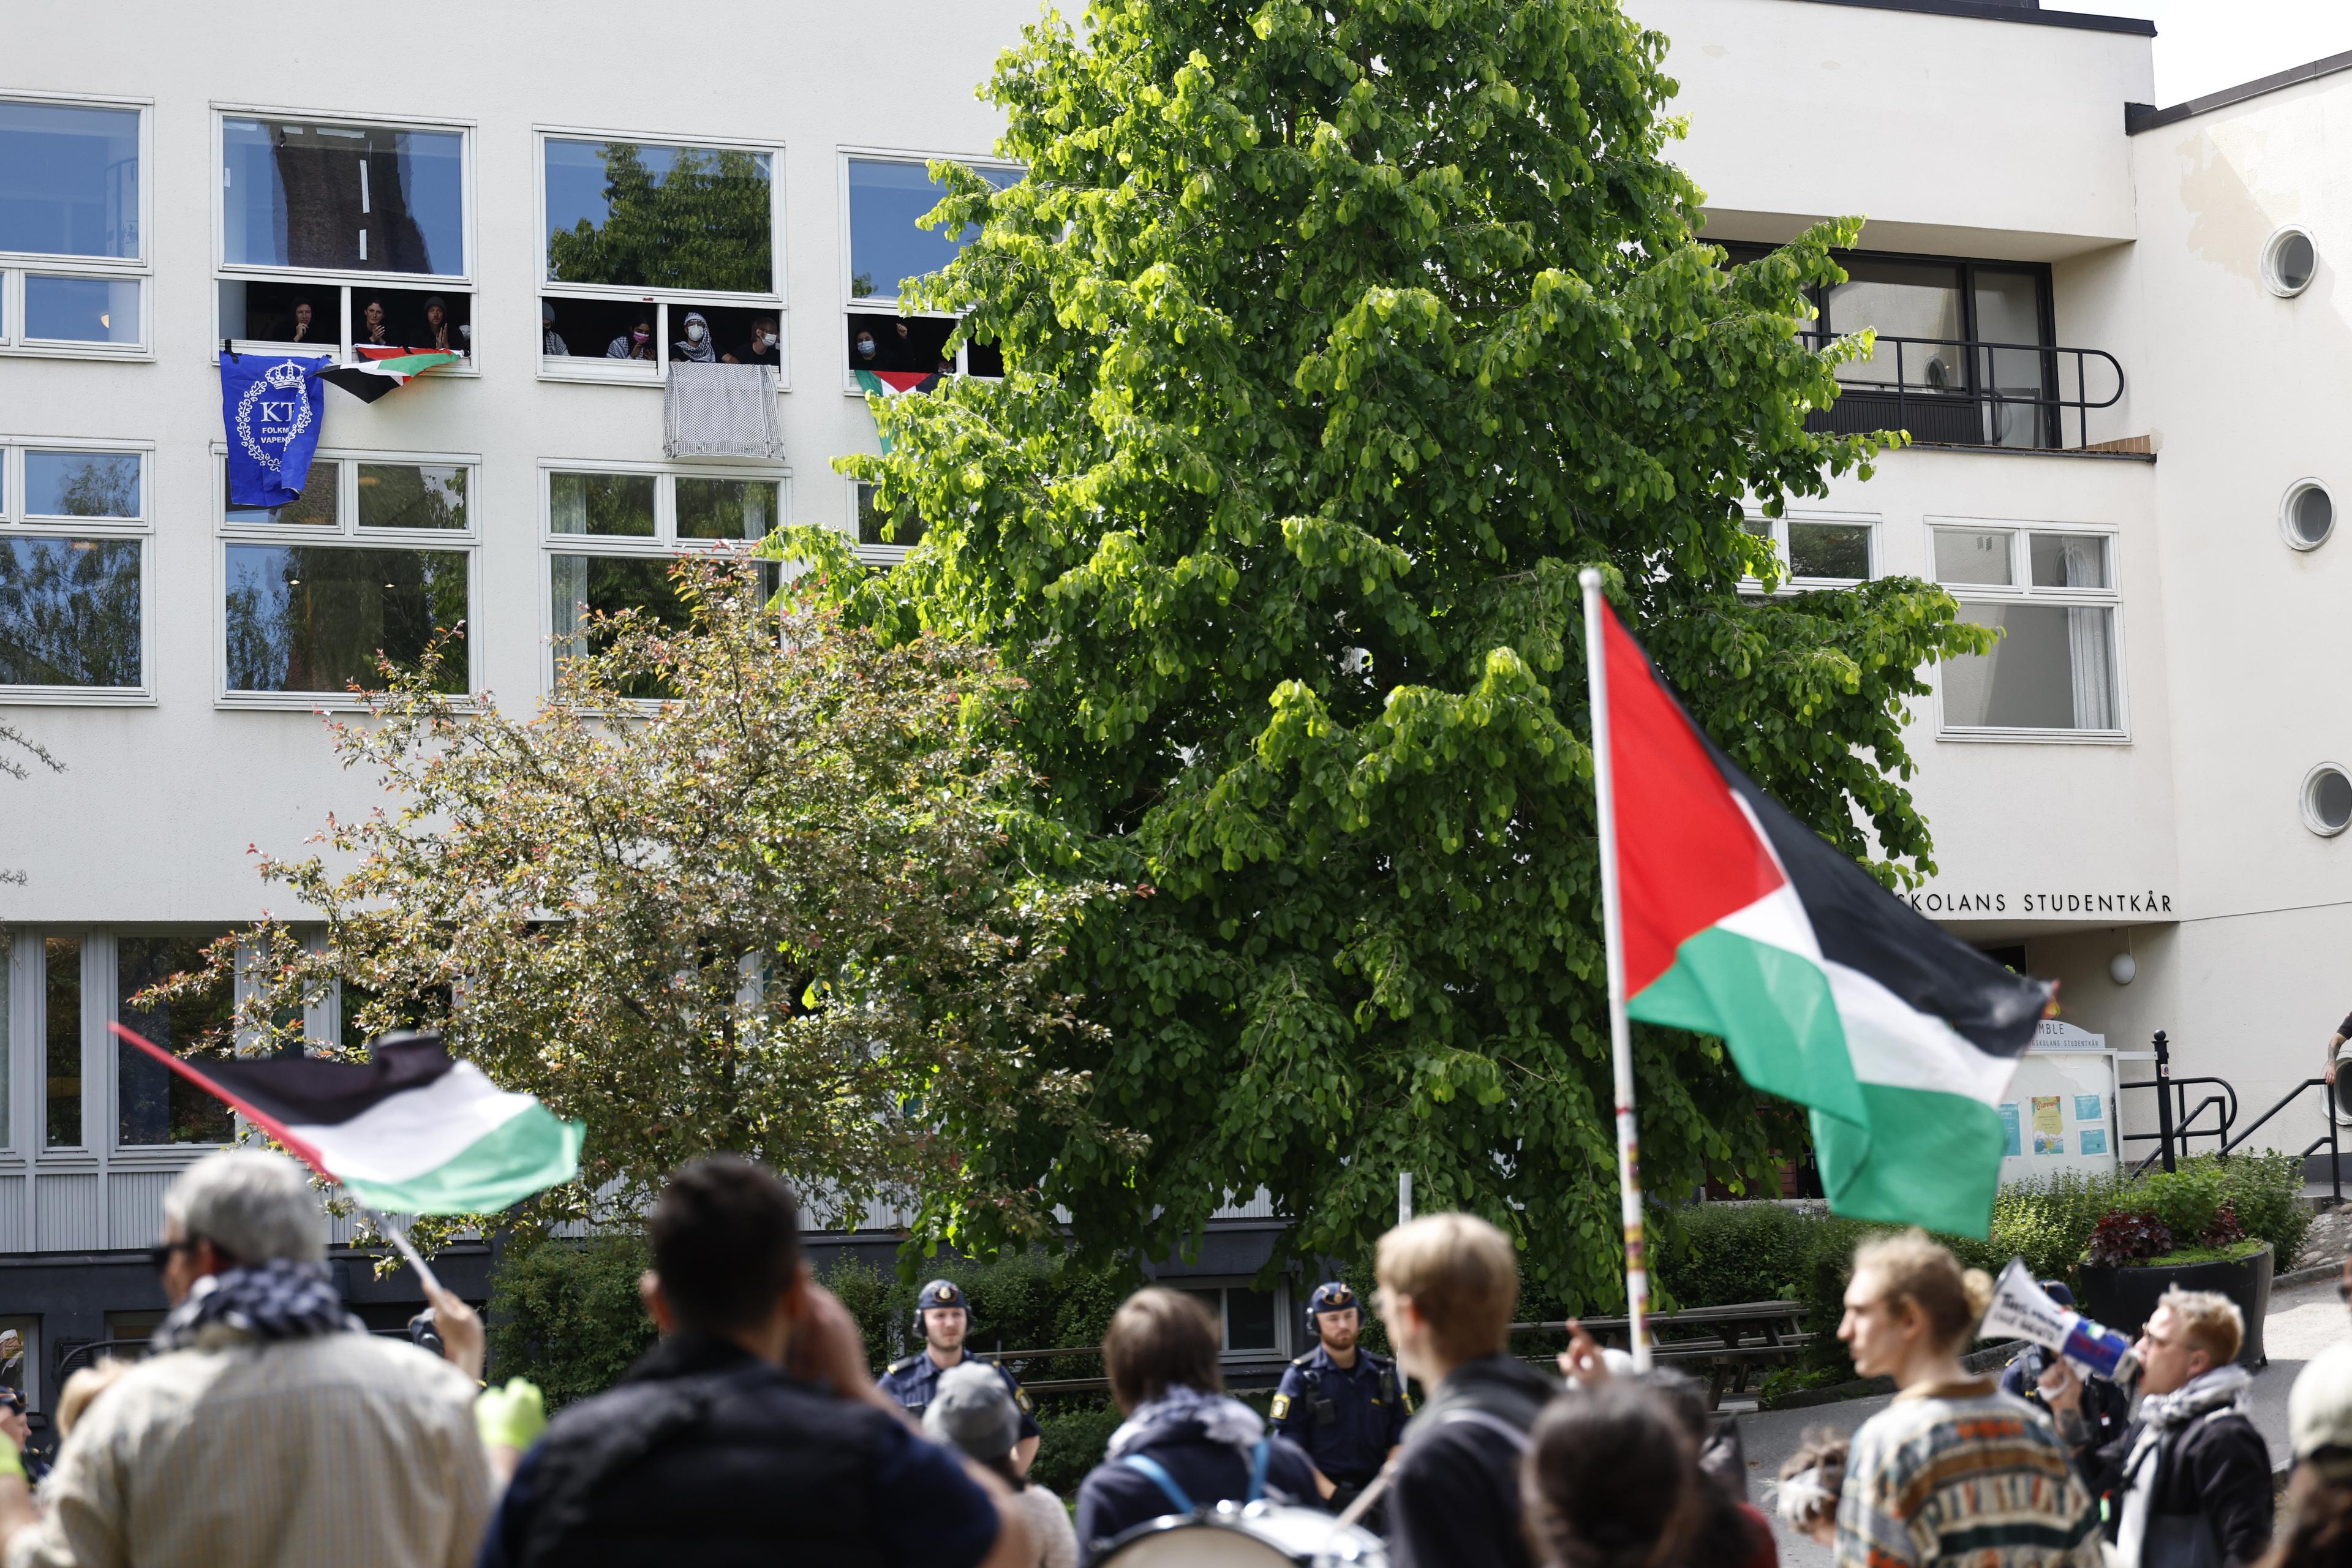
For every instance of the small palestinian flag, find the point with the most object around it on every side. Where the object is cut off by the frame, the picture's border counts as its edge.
(381, 370)
(1742, 923)
(408, 1131)
(894, 383)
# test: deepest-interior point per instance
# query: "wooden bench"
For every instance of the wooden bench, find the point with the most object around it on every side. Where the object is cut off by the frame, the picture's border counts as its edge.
(1729, 1340)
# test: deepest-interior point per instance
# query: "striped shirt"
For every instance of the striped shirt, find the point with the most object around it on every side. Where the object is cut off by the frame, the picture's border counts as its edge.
(343, 1451)
(1957, 1476)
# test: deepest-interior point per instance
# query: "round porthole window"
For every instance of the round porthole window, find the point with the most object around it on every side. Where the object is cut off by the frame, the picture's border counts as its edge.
(2289, 260)
(2327, 800)
(2307, 516)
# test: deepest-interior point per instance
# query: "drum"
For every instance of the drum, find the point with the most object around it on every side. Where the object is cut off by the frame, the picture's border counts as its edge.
(1262, 1535)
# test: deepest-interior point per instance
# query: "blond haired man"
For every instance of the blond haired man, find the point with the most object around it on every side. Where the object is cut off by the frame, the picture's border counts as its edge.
(1448, 1286)
(2190, 1475)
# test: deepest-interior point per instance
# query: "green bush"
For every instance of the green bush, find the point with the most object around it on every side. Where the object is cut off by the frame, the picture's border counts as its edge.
(1074, 1437)
(566, 1314)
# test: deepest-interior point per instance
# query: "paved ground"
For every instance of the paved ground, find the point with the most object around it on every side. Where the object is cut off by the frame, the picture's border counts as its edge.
(2304, 1320)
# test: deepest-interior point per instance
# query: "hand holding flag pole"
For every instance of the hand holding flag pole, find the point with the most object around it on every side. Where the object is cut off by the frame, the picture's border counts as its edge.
(1621, 1042)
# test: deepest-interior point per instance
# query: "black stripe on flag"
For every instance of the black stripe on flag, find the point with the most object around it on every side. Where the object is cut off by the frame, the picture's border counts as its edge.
(311, 1091)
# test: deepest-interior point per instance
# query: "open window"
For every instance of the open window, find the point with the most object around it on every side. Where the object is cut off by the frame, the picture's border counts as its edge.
(657, 251)
(885, 197)
(73, 251)
(343, 236)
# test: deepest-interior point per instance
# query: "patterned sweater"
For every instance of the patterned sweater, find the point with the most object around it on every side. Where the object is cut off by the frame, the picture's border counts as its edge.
(1957, 1476)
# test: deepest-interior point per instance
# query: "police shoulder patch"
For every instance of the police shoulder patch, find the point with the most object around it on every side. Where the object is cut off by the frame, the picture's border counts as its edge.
(1021, 1398)
(898, 1366)
(1281, 1405)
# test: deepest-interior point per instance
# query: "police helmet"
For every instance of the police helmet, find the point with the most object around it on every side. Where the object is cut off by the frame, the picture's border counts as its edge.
(941, 1293)
(1331, 1296)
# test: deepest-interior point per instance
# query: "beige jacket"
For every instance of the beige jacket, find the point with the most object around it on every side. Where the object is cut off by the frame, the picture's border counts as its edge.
(345, 1452)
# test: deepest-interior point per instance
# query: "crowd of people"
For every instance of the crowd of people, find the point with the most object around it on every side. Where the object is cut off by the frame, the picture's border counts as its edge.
(265, 1427)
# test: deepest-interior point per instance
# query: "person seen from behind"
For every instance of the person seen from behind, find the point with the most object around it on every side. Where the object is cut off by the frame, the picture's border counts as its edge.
(1184, 1446)
(2316, 1531)
(265, 1428)
(1611, 1480)
(752, 1431)
(1811, 1481)
(1725, 1529)
(1448, 1285)
(1953, 1472)
(2191, 1476)
(972, 1411)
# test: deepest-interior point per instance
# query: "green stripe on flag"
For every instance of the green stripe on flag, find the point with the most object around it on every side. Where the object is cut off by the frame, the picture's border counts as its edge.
(874, 386)
(1922, 1157)
(1770, 1006)
(522, 1156)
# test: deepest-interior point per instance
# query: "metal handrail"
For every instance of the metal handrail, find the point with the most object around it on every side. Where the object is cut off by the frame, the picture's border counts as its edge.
(2049, 405)
(2170, 1089)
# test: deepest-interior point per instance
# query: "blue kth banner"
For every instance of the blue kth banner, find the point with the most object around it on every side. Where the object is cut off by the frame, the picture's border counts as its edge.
(270, 404)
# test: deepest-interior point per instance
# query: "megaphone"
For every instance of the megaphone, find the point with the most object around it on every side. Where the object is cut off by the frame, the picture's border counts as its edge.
(2023, 1308)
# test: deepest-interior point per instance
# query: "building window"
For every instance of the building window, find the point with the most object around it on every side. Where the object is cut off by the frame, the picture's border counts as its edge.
(153, 1104)
(884, 535)
(657, 252)
(341, 237)
(375, 558)
(73, 556)
(1250, 1321)
(73, 255)
(2327, 800)
(1818, 552)
(2055, 672)
(2307, 516)
(885, 246)
(2290, 261)
(613, 533)
(61, 1042)
(20, 1357)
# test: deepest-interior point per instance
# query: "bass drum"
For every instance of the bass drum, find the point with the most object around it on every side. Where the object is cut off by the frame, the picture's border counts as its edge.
(1262, 1535)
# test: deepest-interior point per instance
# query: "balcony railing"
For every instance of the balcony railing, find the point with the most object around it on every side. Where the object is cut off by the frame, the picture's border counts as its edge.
(1955, 392)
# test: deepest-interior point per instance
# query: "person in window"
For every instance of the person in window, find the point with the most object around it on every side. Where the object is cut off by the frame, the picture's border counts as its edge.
(550, 342)
(898, 351)
(440, 336)
(371, 332)
(637, 342)
(762, 348)
(695, 347)
(302, 323)
(864, 353)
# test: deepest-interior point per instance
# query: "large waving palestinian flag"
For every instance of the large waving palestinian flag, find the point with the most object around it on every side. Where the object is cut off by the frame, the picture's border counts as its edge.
(407, 1132)
(1742, 923)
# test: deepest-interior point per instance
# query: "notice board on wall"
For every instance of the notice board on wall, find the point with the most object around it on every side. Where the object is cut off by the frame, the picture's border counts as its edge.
(2060, 1112)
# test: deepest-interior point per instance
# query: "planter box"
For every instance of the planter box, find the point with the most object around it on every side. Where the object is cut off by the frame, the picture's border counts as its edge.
(2123, 1298)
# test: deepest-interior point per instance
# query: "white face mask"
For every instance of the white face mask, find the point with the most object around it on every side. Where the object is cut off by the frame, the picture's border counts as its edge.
(693, 331)
(762, 341)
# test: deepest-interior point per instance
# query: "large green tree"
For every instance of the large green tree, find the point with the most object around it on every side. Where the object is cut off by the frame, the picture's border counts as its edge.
(1339, 337)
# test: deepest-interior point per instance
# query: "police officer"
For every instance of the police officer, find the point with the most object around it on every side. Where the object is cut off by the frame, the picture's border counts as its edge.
(943, 1317)
(1344, 1405)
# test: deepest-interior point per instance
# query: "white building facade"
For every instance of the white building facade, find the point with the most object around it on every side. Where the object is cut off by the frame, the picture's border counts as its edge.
(2144, 766)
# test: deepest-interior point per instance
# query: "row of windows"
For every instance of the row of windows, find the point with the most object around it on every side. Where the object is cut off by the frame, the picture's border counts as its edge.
(377, 556)
(2057, 670)
(340, 234)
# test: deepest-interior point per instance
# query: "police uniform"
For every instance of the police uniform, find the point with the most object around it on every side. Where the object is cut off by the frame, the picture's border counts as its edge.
(1347, 1418)
(913, 1381)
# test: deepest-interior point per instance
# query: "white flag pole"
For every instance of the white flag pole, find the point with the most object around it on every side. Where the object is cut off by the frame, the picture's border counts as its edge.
(1612, 931)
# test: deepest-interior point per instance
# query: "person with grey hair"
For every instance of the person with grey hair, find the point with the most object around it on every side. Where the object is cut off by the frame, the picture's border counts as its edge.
(972, 1411)
(265, 1428)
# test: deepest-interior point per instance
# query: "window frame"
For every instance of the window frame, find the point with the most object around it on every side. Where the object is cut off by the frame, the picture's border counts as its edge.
(2021, 590)
(662, 544)
(595, 369)
(17, 522)
(151, 1157)
(1777, 529)
(882, 555)
(888, 305)
(346, 533)
(346, 279)
(16, 265)
(1287, 1328)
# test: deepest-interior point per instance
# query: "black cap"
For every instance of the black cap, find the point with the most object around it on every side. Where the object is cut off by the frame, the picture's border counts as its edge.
(941, 1293)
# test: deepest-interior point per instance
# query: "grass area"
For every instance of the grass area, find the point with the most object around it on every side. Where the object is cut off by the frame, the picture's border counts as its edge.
(2179, 1256)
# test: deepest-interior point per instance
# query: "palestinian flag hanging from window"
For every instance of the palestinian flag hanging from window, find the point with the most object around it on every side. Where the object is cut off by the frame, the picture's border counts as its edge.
(894, 383)
(407, 1131)
(1742, 923)
(381, 370)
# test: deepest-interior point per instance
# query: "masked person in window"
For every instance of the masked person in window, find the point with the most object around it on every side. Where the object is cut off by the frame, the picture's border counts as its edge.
(637, 342)
(761, 349)
(695, 347)
(550, 342)
(864, 353)
(1343, 1404)
(370, 332)
(441, 335)
(943, 1317)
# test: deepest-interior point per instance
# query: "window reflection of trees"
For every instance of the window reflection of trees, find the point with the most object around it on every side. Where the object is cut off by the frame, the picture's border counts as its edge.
(70, 612)
(314, 617)
(403, 495)
(674, 217)
(152, 1104)
(80, 484)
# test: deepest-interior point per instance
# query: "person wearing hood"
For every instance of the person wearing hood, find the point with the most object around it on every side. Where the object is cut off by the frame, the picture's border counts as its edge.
(2191, 1475)
(695, 347)
(1448, 1286)
(1184, 1446)
(972, 1411)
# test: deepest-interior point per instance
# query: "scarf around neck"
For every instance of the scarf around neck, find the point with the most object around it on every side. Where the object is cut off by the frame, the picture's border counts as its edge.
(1220, 1419)
(2161, 1416)
(271, 1302)
(701, 353)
